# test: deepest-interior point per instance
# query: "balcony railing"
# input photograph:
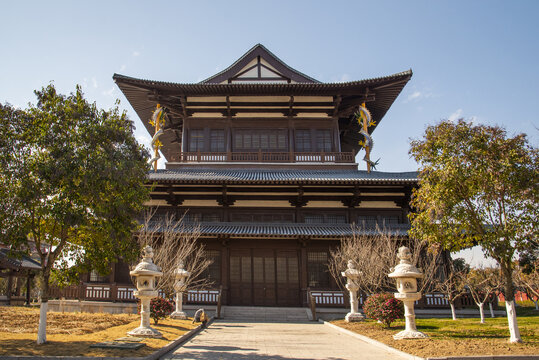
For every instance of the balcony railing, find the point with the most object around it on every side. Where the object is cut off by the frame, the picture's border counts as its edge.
(267, 157)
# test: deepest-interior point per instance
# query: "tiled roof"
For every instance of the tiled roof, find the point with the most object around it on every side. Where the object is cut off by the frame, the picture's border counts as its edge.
(281, 176)
(290, 229)
(12, 263)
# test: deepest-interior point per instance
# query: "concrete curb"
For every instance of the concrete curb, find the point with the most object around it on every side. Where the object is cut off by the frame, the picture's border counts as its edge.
(373, 342)
(153, 356)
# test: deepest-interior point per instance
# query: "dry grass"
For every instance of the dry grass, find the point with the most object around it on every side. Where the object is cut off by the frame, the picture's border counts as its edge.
(73, 333)
(461, 337)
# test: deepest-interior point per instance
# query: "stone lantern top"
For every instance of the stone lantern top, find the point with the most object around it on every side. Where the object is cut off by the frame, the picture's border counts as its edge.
(146, 266)
(405, 268)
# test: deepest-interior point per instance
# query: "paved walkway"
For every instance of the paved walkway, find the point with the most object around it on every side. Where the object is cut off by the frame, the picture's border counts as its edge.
(227, 340)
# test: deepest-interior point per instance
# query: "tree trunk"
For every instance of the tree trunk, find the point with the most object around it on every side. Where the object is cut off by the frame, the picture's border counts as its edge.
(491, 310)
(453, 314)
(481, 312)
(44, 299)
(535, 302)
(510, 303)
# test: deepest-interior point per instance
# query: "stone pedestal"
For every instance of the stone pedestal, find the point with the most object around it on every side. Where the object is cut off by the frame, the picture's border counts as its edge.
(145, 330)
(410, 331)
(179, 313)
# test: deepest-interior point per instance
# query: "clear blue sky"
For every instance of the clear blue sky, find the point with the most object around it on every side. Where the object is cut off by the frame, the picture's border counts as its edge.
(473, 59)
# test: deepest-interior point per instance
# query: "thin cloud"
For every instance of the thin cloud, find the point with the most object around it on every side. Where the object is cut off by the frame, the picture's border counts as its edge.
(122, 68)
(136, 53)
(418, 95)
(94, 82)
(455, 115)
(109, 92)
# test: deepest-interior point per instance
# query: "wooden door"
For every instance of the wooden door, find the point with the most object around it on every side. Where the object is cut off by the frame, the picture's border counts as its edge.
(240, 277)
(287, 269)
(264, 277)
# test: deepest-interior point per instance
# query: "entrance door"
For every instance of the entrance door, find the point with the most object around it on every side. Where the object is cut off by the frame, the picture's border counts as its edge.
(264, 277)
(240, 277)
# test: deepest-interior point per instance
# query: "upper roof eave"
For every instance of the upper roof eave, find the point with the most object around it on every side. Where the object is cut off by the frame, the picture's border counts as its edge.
(213, 88)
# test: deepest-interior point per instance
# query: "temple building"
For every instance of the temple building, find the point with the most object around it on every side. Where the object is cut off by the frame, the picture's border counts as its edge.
(263, 158)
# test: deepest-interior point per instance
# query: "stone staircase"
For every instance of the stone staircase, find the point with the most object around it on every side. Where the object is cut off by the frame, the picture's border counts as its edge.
(258, 313)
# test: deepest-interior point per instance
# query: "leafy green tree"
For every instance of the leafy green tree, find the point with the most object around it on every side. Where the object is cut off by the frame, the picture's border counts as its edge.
(72, 183)
(478, 186)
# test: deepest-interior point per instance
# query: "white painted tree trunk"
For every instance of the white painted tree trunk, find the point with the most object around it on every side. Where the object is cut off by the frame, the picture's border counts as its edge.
(535, 302)
(42, 329)
(491, 309)
(453, 313)
(481, 312)
(512, 320)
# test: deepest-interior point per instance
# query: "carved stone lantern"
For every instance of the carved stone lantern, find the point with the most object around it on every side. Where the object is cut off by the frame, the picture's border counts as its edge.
(352, 276)
(146, 274)
(180, 275)
(406, 275)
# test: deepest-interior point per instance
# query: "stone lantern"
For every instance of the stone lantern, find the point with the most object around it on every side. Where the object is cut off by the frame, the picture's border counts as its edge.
(146, 274)
(406, 275)
(352, 276)
(180, 275)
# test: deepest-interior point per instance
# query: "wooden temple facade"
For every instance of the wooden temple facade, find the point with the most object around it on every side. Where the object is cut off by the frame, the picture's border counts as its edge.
(263, 159)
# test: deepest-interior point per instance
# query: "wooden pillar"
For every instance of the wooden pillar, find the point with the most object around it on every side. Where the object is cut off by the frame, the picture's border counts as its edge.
(303, 283)
(9, 286)
(28, 288)
(225, 260)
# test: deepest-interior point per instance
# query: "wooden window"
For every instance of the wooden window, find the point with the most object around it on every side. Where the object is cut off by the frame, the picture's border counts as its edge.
(262, 217)
(324, 218)
(303, 140)
(196, 140)
(367, 220)
(213, 271)
(97, 277)
(388, 220)
(323, 140)
(317, 269)
(202, 217)
(217, 140)
(260, 139)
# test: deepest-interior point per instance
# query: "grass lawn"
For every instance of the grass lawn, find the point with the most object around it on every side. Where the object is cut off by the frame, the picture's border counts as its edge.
(71, 334)
(461, 337)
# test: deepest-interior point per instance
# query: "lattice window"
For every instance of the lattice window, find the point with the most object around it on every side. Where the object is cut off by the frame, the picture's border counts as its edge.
(303, 140)
(196, 140)
(97, 277)
(213, 272)
(323, 140)
(388, 220)
(260, 139)
(367, 220)
(317, 269)
(217, 140)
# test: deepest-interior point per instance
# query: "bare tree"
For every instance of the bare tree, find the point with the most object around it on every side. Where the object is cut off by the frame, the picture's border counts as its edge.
(452, 283)
(174, 241)
(375, 255)
(482, 282)
(528, 280)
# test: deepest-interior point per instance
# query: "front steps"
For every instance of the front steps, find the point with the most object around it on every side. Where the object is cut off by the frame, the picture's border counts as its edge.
(259, 313)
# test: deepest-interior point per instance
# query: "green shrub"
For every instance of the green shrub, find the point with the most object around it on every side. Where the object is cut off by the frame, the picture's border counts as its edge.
(159, 308)
(384, 308)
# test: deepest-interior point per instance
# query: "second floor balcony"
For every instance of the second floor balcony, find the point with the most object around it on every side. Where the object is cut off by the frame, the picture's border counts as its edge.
(262, 157)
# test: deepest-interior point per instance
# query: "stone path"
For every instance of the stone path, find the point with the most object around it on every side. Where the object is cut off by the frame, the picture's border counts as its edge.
(227, 340)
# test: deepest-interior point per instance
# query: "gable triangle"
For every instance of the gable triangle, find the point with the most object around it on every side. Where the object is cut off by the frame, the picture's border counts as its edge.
(259, 65)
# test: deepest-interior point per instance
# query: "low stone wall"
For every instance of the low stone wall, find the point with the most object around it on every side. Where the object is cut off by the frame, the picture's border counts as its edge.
(92, 307)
